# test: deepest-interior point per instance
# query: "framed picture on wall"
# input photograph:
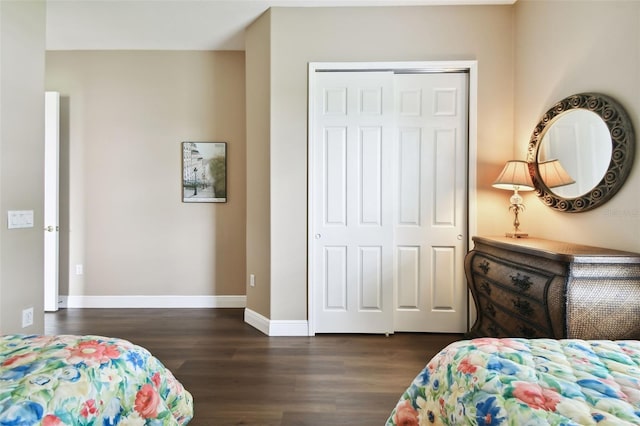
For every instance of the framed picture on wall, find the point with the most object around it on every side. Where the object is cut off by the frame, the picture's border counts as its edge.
(204, 172)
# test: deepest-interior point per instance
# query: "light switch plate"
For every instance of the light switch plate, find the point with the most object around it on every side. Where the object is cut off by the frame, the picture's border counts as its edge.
(27, 317)
(20, 219)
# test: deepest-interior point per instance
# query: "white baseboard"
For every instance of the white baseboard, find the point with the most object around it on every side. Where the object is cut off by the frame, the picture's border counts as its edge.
(153, 301)
(256, 320)
(276, 327)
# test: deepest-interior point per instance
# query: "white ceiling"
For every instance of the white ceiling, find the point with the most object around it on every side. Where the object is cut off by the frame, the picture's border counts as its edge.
(177, 24)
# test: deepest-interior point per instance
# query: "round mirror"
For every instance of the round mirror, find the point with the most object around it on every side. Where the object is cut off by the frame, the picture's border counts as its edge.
(581, 152)
(574, 153)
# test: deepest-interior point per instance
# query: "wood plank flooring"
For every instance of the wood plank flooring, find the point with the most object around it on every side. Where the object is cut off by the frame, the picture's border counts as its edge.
(239, 376)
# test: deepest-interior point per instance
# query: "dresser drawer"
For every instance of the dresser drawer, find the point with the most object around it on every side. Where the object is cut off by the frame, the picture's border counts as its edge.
(511, 313)
(510, 277)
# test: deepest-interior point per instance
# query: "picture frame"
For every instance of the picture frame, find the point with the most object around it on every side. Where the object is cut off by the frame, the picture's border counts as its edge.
(204, 172)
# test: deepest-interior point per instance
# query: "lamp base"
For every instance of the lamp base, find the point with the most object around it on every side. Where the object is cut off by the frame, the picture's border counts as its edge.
(516, 234)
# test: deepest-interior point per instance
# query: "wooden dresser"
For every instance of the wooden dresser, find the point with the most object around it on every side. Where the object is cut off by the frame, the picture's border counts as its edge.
(530, 287)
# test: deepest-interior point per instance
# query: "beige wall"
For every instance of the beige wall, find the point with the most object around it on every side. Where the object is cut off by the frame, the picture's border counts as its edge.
(301, 35)
(124, 115)
(567, 47)
(258, 76)
(22, 40)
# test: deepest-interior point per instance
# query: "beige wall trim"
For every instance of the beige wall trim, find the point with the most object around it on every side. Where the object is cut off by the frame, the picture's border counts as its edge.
(153, 301)
(275, 327)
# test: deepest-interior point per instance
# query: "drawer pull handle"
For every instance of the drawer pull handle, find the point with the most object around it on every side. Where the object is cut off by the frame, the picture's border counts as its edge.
(523, 282)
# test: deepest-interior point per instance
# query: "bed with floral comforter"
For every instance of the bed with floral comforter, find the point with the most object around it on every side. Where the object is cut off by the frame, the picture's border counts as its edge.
(86, 380)
(515, 381)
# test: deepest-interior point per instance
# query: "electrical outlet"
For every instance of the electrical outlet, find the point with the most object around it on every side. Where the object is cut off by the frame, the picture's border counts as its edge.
(252, 280)
(79, 269)
(27, 317)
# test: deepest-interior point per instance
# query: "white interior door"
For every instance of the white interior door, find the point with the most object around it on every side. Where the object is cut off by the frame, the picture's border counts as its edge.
(388, 201)
(431, 214)
(51, 185)
(352, 186)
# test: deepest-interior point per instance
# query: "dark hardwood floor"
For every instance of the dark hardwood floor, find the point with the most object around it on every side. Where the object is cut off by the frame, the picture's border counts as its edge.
(239, 376)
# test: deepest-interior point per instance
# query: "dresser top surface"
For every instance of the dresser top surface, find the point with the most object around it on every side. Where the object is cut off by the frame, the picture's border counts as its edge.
(560, 250)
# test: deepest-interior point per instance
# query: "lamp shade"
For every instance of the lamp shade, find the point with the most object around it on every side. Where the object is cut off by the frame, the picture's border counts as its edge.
(553, 174)
(515, 176)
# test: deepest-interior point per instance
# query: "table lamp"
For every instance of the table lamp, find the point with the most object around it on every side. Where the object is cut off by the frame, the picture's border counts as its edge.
(553, 174)
(515, 177)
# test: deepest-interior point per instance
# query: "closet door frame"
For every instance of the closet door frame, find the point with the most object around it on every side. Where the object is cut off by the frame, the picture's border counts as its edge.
(409, 67)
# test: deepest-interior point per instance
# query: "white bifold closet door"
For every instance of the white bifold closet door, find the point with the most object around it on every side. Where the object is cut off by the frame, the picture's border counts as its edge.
(388, 188)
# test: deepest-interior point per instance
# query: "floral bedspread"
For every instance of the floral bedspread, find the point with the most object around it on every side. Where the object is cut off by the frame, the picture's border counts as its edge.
(86, 380)
(515, 381)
